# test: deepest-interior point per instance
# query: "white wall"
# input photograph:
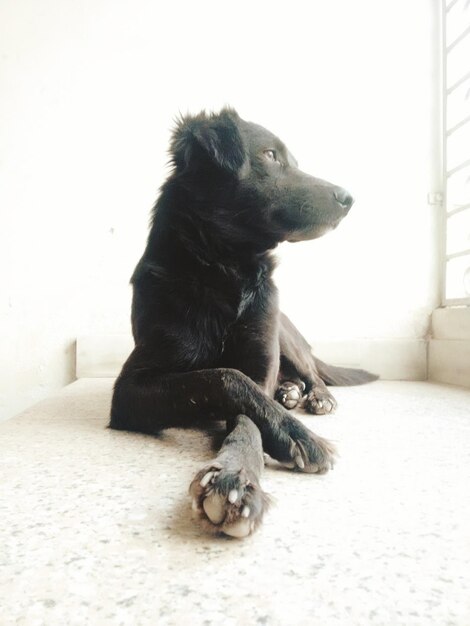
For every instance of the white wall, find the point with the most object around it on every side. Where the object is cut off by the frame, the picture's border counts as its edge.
(88, 92)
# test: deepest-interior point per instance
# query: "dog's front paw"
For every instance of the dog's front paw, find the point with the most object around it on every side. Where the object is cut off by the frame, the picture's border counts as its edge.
(305, 450)
(319, 401)
(290, 394)
(228, 501)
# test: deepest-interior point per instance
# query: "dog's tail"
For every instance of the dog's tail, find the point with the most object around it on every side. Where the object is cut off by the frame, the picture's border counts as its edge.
(343, 376)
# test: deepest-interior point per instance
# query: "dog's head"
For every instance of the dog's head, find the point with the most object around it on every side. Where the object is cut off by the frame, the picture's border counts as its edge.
(249, 184)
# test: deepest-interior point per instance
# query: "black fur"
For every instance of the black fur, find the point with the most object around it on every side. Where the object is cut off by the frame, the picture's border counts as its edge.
(210, 341)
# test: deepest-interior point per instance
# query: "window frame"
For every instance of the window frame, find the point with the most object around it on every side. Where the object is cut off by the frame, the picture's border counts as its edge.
(446, 49)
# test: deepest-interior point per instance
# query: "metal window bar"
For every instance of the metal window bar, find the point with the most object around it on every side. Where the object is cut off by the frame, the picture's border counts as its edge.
(455, 280)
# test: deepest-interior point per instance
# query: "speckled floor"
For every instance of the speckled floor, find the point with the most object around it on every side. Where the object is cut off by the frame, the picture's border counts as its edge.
(96, 525)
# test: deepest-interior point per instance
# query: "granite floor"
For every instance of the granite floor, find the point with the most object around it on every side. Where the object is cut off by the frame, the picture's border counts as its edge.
(96, 525)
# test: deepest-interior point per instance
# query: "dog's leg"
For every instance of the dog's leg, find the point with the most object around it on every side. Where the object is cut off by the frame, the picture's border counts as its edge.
(226, 492)
(146, 400)
(300, 384)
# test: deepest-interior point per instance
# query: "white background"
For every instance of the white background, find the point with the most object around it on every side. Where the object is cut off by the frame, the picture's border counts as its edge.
(88, 91)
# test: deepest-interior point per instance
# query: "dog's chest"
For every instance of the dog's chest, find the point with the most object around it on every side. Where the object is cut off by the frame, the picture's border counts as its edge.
(229, 315)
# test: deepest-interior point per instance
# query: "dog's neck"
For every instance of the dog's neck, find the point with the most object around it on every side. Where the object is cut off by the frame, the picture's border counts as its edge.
(205, 265)
(185, 244)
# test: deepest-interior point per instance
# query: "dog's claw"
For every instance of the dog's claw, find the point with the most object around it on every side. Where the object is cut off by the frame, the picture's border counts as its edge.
(206, 479)
(299, 461)
(232, 496)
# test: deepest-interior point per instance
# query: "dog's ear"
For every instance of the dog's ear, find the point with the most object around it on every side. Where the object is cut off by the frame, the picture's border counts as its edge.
(215, 139)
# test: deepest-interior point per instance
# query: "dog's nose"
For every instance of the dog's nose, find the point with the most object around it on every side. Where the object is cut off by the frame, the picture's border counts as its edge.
(344, 198)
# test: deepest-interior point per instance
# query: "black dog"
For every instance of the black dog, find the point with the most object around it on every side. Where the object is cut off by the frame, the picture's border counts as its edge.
(210, 341)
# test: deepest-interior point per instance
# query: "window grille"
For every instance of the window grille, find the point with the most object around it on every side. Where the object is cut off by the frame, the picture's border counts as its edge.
(456, 151)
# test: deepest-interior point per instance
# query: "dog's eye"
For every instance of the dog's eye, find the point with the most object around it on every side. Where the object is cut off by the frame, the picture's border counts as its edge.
(270, 155)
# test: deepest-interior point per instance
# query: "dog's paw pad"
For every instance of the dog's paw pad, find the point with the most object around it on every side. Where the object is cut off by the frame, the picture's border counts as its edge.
(227, 501)
(214, 507)
(319, 401)
(239, 529)
(289, 394)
